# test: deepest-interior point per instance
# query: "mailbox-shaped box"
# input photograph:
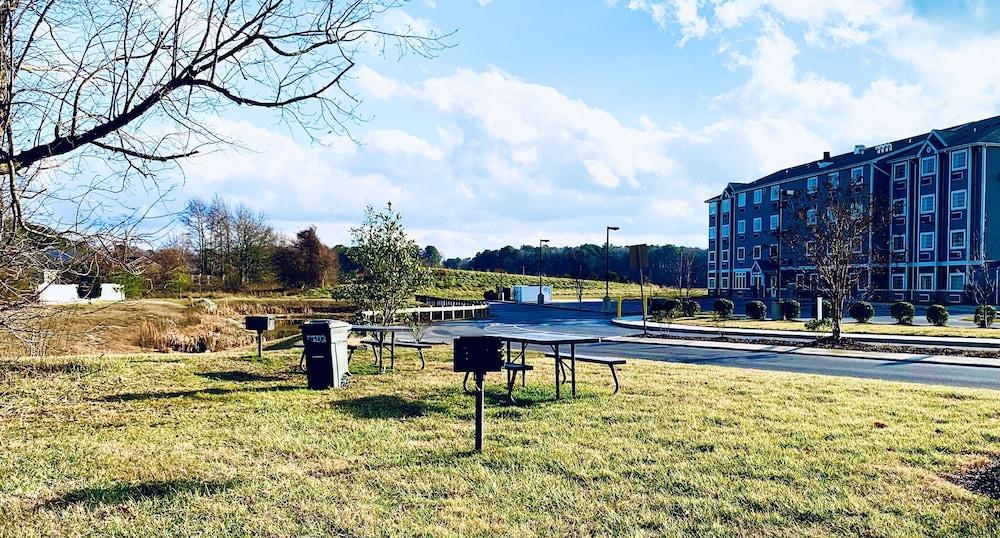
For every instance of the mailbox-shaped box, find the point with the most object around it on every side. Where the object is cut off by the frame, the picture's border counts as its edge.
(478, 354)
(259, 323)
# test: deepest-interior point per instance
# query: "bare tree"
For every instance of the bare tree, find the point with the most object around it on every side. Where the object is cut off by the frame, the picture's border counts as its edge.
(831, 229)
(97, 98)
(252, 245)
(983, 280)
(685, 272)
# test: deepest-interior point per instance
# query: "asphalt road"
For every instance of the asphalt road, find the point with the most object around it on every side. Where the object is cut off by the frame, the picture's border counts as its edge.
(507, 317)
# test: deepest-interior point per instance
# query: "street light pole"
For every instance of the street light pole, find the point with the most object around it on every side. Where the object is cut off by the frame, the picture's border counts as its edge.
(607, 267)
(541, 296)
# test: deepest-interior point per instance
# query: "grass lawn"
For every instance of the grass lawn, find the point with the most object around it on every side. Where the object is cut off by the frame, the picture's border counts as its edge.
(705, 320)
(222, 445)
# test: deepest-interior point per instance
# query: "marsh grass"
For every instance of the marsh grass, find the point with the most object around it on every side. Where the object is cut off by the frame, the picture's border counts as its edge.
(225, 445)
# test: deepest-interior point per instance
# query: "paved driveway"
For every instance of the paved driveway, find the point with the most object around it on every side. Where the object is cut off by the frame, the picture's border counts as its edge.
(594, 323)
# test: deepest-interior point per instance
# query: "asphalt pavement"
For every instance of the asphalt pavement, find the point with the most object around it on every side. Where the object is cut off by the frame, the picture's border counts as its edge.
(506, 317)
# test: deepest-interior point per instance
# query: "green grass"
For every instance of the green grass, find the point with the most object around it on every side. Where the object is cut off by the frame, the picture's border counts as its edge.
(222, 445)
(705, 320)
(461, 284)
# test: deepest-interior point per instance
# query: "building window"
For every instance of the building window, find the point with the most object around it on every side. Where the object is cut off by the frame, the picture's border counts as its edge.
(811, 216)
(772, 251)
(857, 175)
(741, 199)
(927, 203)
(725, 231)
(956, 281)
(711, 208)
(741, 227)
(711, 232)
(725, 282)
(812, 184)
(725, 205)
(774, 222)
(725, 256)
(757, 224)
(857, 246)
(711, 282)
(899, 207)
(925, 281)
(958, 200)
(740, 281)
(756, 252)
(775, 189)
(741, 253)
(927, 241)
(898, 282)
(899, 171)
(928, 166)
(898, 243)
(960, 160)
(758, 196)
(835, 179)
(957, 239)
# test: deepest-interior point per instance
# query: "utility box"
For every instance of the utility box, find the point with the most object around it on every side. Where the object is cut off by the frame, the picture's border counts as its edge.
(478, 354)
(259, 323)
(325, 352)
(529, 294)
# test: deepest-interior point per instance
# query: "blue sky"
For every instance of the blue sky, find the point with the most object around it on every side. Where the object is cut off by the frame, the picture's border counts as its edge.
(556, 118)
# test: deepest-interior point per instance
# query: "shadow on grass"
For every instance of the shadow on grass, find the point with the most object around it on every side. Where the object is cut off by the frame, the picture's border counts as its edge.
(240, 377)
(212, 391)
(386, 406)
(47, 367)
(121, 493)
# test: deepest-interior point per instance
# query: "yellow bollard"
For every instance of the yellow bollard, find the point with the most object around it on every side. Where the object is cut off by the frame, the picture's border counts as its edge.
(619, 307)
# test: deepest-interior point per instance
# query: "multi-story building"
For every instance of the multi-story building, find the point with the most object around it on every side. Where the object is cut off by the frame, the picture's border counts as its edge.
(944, 187)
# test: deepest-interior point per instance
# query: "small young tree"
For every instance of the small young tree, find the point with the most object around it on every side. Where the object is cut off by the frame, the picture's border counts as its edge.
(830, 228)
(983, 279)
(390, 271)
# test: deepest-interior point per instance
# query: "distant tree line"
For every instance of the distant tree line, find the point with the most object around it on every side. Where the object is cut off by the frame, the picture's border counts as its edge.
(669, 264)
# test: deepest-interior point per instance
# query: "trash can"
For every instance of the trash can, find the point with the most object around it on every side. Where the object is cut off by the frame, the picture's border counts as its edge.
(325, 344)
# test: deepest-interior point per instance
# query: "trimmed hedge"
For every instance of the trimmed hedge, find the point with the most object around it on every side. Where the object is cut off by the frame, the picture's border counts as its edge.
(791, 309)
(902, 312)
(986, 315)
(723, 308)
(756, 310)
(690, 308)
(862, 311)
(937, 315)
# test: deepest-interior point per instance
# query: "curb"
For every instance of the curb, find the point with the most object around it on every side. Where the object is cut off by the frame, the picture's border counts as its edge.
(935, 341)
(840, 353)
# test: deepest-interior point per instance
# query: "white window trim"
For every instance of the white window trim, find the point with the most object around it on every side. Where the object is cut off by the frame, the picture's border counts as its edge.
(933, 199)
(712, 208)
(920, 281)
(775, 193)
(893, 277)
(895, 167)
(725, 231)
(834, 179)
(772, 222)
(725, 256)
(758, 196)
(741, 199)
(725, 282)
(758, 224)
(711, 282)
(951, 286)
(902, 203)
(741, 226)
(812, 184)
(757, 252)
(933, 172)
(965, 198)
(711, 232)
(726, 205)
(741, 253)
(960, 152)
(711, 256)
(920, 244)
(892, 243)
(951, 240)
(859, 175)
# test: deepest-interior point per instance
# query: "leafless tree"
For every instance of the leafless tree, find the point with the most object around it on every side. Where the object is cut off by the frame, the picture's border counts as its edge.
(685, 272)
(98, 98)
(831, 229)
(982, 279)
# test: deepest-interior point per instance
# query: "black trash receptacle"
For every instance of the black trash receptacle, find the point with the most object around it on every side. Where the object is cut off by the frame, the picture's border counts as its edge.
(325, 343)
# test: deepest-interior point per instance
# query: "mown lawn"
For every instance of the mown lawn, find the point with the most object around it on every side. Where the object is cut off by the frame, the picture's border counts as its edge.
(705, 320)
(222, 445)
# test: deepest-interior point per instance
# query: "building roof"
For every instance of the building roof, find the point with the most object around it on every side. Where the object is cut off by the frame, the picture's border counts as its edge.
(987, 130)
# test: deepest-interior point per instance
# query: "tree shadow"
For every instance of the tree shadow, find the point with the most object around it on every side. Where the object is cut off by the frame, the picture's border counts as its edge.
(241, 377)
(213, 391)
(386, 407)
(47, 367)
(124, 492)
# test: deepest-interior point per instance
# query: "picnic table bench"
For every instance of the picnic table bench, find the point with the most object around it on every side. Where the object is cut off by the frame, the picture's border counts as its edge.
(419, 346)
(610, 362)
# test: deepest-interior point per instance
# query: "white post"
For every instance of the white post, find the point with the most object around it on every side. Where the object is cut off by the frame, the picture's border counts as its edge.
(819, 308)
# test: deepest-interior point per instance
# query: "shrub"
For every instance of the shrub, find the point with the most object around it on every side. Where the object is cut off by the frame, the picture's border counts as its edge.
(490, 295)
(756, 310)
(937, 315)
(862, 311)
(985, 316)
(723, 308)
(691, 308)
(827, 308)
(902, 312)
(791, 309)
(820, 325)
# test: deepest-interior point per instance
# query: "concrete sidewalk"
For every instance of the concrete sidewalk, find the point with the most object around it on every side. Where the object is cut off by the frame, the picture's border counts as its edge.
(897, 339)
(978, 362)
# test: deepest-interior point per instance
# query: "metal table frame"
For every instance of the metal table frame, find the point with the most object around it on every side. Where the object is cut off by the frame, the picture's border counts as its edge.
(378, 332)
(555, 342)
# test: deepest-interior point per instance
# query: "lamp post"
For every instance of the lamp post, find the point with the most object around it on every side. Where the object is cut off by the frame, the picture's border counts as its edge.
(607, 266)
(541, 296)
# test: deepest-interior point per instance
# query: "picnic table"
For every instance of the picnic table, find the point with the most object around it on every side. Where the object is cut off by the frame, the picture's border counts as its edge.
(555, 341)
(379, 333)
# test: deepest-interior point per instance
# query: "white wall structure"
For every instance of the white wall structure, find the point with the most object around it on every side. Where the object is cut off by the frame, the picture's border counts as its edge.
(529, 294)
(50, 293)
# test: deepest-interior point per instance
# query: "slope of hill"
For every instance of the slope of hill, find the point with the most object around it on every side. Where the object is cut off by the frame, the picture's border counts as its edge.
(463, 284)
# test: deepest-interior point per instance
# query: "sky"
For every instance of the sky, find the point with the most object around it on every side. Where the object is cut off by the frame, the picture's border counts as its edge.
(555, 118)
